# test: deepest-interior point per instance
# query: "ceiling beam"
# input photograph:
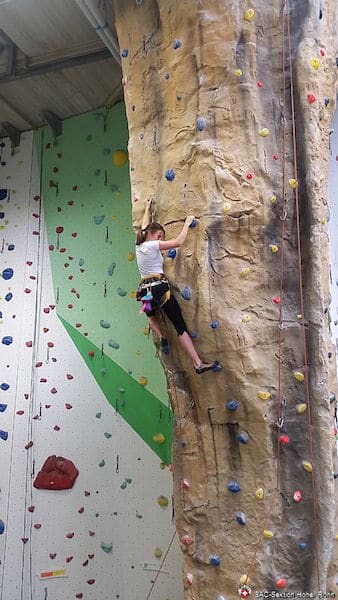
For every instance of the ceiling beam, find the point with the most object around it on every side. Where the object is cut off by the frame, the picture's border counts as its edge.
(54, 122)
(22, 72)
(12, 132)
(14, 109)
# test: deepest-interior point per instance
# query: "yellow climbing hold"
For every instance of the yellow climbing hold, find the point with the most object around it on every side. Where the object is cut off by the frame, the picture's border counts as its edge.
(245, 272)
(132, 295)
(298, 376)
(143, 381)
(244, 580)
(162, 501)
(307, 466)
(264, 132)
(323, 221)
(293, 183)
(249, 14)
(315, 63)
(159, 438)
(226, 207)
(119, 157)
(259, 494)
(299, 316)
(274, 248)
(238, 72)
(246, 319)
(336, 536)
(130, 256)
(162, 466)
(273, 199)
(301, 408)
(264, 395)
(146, 331)
(267, 534)
(158, 553)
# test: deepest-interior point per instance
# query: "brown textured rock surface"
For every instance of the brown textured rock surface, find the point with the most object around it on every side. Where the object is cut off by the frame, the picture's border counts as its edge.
(167, 90)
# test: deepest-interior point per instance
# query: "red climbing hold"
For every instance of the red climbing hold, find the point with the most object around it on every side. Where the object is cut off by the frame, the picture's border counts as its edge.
(68, 406)
(284, 439)
(29, 263)
(62, 249)
(79, 596)
(57, 473)
(91, 533)
(69, 376)
(70, 535)
(81, 510)
(260, 84)
(69, 558)
(56, 428)
(59, 229)
(43, 380)
(69, 306)
(53, 391)
(311, 98)
(37, 525)
(31, 509)
(24, 540)
(91, 556)
(29, 344)
(27, 291)
(281, 583)
(249, 176)
(29, 445)
(45, 329)
(52, 555)
(46, 310)
(91, 353)
(275, 157)
(20, 412)
(74, 234)
(51, 247)
(276, 300)
(52, 306)
(322, 52)
(50, 344)
(38, 364)
(90, 581)
(85, 563)
(297, 496)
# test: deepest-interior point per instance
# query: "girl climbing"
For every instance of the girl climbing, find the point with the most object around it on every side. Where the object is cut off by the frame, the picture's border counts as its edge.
(154, 290)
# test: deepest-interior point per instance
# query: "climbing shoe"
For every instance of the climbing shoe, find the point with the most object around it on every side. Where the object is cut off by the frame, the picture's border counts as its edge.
(164, 346)
(215, 366)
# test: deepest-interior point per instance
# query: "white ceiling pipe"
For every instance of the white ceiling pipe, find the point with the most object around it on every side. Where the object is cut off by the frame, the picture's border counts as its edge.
(99, 22)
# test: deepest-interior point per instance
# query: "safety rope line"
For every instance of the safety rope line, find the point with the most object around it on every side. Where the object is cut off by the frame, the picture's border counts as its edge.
(161, 565)
(307, 387)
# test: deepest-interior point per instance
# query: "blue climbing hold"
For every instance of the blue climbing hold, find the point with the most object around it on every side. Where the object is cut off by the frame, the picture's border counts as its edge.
(214, 324)
(8, 296)
(302, 546)
(2, 215)
(166, 76)
(111, 269)
(3, 407)
(99, 220)
(193, 335)
(3, 194)
(124, 52)
(232, 405)
(200, 123)
(214, 560)
(2, 527)
(186, 293)
(11, 247)
(178, 98)
(241, 519)
(218, 367)
(3, 435)
(7, 273)
(0, 314)
(234, 487)
(194, 223)
(7, 340)
(4, 386)
(243, 437)
(171, 253)
(170, 174)
(177, 44)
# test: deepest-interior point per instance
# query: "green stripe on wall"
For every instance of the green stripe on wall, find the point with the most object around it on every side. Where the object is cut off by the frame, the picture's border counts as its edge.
(145, 413)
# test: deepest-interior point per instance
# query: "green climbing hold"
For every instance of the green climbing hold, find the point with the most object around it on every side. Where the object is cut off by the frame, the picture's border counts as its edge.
(108, 548)
(102, 463)
(121, 292)
(104, 324)
(113, 344)
(107, 435)
(123, 485)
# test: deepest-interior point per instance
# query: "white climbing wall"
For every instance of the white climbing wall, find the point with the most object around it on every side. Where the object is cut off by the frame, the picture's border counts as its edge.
(103, 533)
(333, 226)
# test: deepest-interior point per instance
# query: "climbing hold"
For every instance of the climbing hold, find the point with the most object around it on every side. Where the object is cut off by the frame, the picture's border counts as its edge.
(297, 496)
(246, 319)
(104, 324)
(298, 376)
(259, 494)
(159, 438)
(284, 439)
(186, 540)
(226, 207)
(231, 405)
(249, 14)
(293, 183)
(245, 272)
(214, 324)
(214, 560)
(3, 435)
(276, 299)
(91, 353)
(260, 84)
(108, 548)
(273, 248)
(238, 72)
(123, 485)
(170, 174)
(130, 256)
(243, 437)
(102, 463)
(7, 273)
(4, 386)
(267, 534)
(307, 466)
(121, 292)
(162, 501)
(2, 527)
(281, 582)
(171, 253)
(234, 487)
(302, 546)
(186, 293)
(99, 219)
(193, 223)
(301, 408)
(249, 176)
(200, 123)
(3, 408)
(143, 381)
(107, 435)
(124, 52)
(185, 484)
(241, 518)
(311, 98)
(157, 553)
(177, 44)
(264, 132)
(8, 296)
(264, 395)
(111, 269)
(120, 157)
(315, 63)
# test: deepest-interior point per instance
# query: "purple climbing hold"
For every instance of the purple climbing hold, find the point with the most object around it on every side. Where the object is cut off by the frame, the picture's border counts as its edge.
(124, 52)
(3, 407)
(3, 435)
(7, 340)
(7, 273)
(170, 174)
(171, 253)
(4, 386)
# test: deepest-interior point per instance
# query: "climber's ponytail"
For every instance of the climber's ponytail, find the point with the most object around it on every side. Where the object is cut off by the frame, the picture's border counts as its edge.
(142, 234)
(140, 237)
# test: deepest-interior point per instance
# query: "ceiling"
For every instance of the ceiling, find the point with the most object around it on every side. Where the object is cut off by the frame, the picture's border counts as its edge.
(53, 63)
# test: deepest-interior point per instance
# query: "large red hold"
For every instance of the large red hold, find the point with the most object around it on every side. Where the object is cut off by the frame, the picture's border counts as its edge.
(57, 473)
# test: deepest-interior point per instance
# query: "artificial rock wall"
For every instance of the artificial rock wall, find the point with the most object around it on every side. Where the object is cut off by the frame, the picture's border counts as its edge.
(229, 108)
